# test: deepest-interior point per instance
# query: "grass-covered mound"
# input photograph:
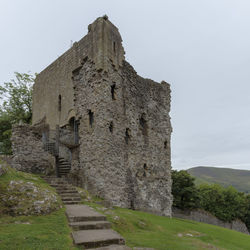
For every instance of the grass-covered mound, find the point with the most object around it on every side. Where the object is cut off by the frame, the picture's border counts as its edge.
(148, 230)
(25, 194)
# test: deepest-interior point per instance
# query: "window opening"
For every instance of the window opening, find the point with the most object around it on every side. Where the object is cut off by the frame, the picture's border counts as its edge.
(127, 135)
(111, 127)
(143, 125)
(59, 103)
(91, 118)
(113, 94)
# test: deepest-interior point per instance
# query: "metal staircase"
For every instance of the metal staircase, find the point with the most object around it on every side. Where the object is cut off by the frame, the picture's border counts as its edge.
(51, 143)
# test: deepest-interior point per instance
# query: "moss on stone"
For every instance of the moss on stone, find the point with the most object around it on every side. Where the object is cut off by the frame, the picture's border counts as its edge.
(26, 194)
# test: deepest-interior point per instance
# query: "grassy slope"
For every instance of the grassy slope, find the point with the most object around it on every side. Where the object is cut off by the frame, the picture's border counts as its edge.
(138, 228)
(42, 232)
(148, 230)
(33, 232)
(240, 179)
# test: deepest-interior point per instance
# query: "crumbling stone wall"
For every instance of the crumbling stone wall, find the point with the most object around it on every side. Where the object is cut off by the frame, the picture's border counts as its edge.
(28, 152)
(206, 217)
(124, 137)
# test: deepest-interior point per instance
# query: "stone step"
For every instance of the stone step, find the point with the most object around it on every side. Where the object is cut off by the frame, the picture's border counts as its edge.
(60, 186)
(71, 202)
(59, 189)
(86, 225)
(120, 247)
(97, 238)
(83, 213)
(59, 183)
(67, 192)
(70, 198)
(64, 163)
(64, 195)
(65, 186)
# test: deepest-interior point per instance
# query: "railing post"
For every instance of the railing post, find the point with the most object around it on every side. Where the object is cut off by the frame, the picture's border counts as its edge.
(76, 139)
(57, 150)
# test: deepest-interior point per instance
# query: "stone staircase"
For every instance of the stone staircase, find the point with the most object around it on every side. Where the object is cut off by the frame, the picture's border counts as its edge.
(90, 228)
(63, 167)
(69, 194)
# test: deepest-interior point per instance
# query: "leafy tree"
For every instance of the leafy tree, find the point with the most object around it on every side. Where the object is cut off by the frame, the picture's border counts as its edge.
(17, 98)
(16, 106)
(246, 217)
(184, 190)
(226, 204)
(5, 134)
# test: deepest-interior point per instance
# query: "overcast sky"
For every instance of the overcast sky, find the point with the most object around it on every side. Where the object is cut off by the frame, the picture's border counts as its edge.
(201, 47)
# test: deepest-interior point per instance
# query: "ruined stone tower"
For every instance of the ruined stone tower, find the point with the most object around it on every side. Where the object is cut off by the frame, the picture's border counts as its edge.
(121, 119)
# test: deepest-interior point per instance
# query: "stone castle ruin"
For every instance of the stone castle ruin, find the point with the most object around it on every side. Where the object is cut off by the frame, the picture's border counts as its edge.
(107, 128)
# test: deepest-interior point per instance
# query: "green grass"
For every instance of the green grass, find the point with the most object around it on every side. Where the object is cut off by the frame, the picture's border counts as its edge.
(138, 228)
(35, 232)
(13, 175)
(32, 232)
(148, 230)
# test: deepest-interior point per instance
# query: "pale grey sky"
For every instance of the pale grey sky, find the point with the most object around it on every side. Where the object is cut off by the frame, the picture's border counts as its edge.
(201, 47)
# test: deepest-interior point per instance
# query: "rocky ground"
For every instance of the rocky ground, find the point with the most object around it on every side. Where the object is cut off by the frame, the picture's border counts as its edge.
(25, 194)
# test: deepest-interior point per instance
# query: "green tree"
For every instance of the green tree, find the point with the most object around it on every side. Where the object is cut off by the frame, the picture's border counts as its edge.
(184, 191)
(246, 217)
(17, 98)
(226, 204)
(5, 134)
(16, 106)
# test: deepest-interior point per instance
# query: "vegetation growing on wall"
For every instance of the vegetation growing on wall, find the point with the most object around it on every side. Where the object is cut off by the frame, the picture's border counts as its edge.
(16, 106)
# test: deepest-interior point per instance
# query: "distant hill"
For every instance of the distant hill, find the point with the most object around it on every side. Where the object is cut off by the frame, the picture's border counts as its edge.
(240, 179)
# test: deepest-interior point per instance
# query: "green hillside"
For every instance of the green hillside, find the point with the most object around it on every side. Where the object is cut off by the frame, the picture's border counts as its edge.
(240, 179)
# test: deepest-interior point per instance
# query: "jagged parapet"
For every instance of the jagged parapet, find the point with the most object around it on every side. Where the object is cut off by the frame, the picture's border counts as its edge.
(106, 44)
(53, 89)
